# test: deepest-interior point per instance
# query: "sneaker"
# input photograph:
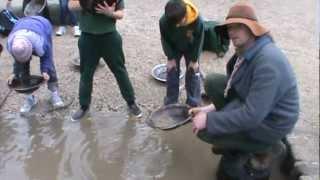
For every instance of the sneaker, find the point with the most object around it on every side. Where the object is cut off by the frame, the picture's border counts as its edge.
(56, 100)
(29, 103)
(61, 31)
(135, 110)
(78, 115)
(76, 31)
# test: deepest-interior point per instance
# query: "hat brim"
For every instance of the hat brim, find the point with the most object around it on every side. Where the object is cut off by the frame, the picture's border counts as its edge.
(256, 28)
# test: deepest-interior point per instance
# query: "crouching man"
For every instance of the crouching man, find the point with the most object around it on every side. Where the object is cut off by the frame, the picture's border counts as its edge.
(254, 106)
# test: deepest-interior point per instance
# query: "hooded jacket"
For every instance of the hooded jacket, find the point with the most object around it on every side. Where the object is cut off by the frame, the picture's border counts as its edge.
(43, 28)
(184, 40)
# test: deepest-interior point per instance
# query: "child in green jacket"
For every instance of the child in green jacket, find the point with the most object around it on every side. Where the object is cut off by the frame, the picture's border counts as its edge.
(182, 34)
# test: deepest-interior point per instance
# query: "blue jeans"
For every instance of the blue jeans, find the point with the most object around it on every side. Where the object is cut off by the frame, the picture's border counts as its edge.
(192, 84)
(65, 12)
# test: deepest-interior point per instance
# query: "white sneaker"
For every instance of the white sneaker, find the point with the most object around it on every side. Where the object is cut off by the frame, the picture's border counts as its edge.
(61, 31)
(56, 100)
(30, 102)
(76, 31)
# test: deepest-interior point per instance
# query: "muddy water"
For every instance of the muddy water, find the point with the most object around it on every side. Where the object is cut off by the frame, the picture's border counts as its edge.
(104, 146)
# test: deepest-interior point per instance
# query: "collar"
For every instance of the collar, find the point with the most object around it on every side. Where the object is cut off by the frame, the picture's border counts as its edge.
(258, 44)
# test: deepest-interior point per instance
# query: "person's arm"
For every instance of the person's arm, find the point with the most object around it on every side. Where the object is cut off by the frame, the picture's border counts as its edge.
(166, 43)
(197, 45)
(46, 61)
(116, 10)
(257, 105)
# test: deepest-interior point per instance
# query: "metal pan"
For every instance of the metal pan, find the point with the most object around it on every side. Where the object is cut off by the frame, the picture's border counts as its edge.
(159, 72)
(27, 85)
(169, 117)
(35, 7)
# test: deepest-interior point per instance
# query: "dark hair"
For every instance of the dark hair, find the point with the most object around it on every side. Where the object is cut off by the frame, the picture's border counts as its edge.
(175, 11)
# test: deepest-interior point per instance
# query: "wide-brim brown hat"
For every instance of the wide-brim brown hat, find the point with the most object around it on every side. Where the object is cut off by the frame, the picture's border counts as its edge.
(242, 12)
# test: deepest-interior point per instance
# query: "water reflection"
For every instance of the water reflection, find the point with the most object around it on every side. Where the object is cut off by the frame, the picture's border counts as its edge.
(104, 146)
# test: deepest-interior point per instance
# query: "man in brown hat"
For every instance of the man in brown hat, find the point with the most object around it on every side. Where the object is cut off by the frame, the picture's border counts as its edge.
(254, 106)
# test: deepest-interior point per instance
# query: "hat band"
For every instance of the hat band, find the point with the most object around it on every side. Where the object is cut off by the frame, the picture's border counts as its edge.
(243, 17)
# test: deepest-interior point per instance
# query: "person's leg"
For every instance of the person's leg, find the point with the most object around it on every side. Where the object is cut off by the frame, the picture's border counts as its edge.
(70, 14)
(63, 15)
(53, 88)
(192, 81)
(238, 150)
(114, 57)
(172, 83)
(63, 12)
(214, 85)
(235, 142)
(73, 20)
(89, 58)
(22, 71)
(115, 60)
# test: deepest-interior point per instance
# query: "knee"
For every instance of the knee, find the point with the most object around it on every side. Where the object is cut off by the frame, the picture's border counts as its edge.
(214, 80)
(171, 65)
(193, 68)
(64, 4)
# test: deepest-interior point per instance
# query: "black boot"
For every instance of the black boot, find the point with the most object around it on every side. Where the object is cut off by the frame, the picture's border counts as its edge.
(231, 166)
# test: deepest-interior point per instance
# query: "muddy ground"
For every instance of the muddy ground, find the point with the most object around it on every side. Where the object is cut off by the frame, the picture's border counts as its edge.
(293, 26)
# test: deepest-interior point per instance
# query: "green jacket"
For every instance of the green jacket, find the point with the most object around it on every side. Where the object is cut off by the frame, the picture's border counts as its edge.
(183, 40)
(94, 23)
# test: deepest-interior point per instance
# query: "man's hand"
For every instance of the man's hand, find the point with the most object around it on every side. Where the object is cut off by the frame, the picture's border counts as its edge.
(105, 9)
(199, 122)
(205, 109)
(10, 79)
(45, 76)
(171, 64)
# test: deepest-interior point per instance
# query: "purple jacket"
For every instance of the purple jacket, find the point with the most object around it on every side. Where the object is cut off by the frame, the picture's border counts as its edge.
(42, 27)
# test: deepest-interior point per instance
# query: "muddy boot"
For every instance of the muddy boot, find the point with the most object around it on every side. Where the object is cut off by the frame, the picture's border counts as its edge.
(257, 170)
(79, 114)
(220, 150)
(231, 166)
(135, 110)
(288, 162)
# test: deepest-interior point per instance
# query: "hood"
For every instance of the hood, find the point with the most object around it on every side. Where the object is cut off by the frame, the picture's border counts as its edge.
(192, 12)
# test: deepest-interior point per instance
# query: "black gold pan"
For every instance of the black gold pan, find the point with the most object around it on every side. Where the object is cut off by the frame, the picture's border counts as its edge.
(26, 85)
(169, 117)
